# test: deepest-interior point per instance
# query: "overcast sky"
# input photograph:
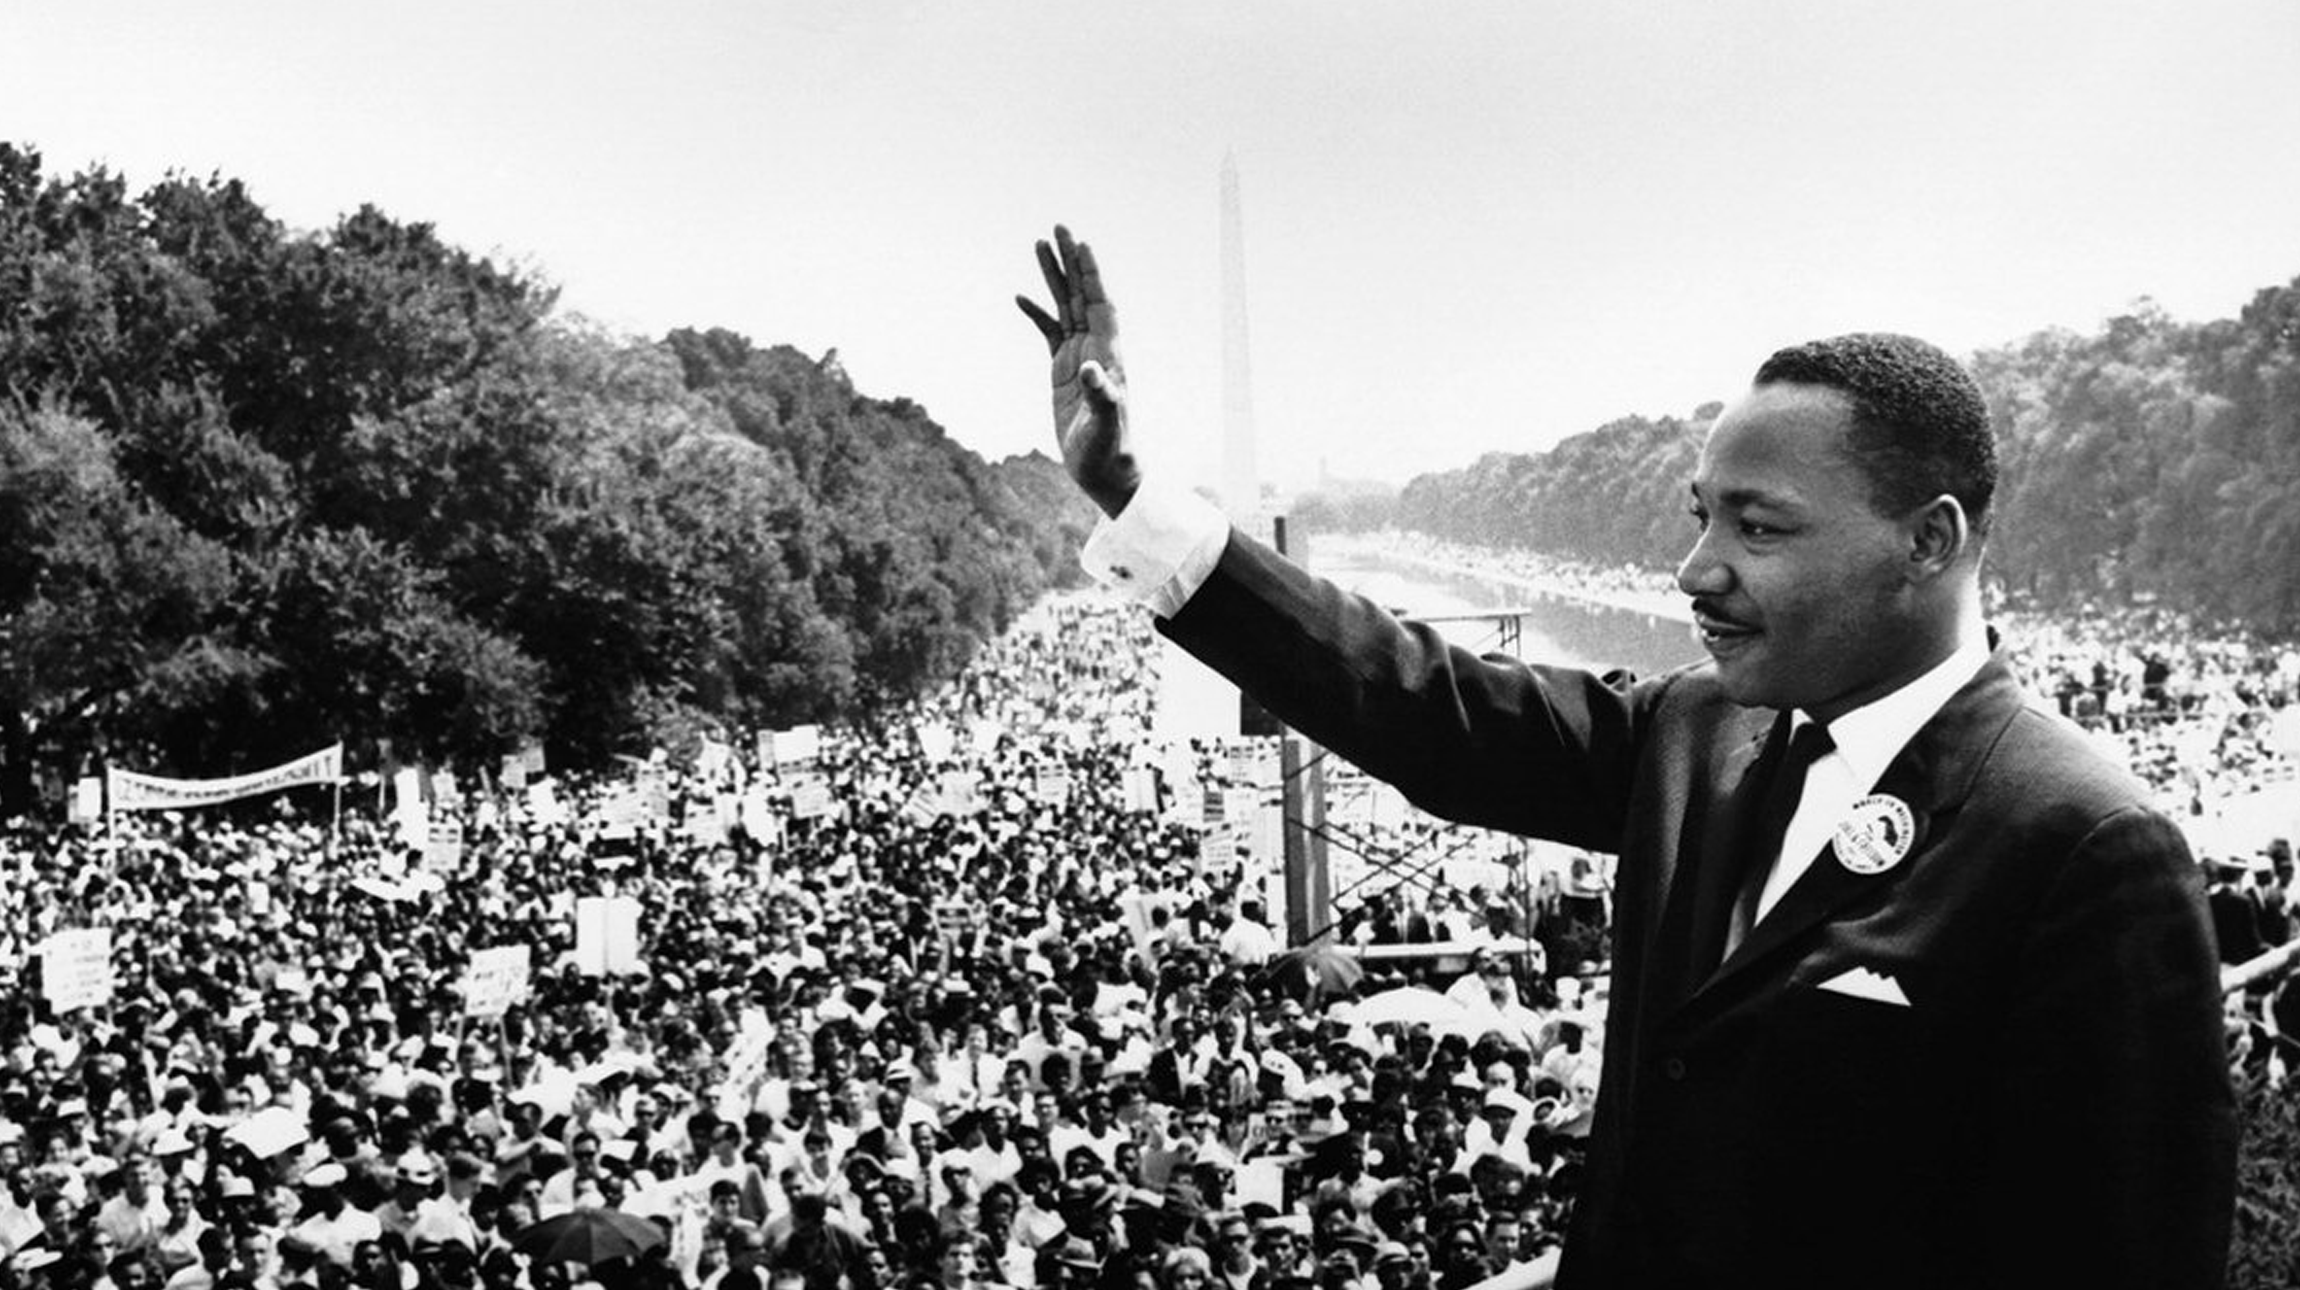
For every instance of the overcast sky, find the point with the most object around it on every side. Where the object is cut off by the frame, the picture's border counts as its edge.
(1470, 226)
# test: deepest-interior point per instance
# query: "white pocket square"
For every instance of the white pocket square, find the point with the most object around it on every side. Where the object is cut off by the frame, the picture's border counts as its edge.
(1861, 983)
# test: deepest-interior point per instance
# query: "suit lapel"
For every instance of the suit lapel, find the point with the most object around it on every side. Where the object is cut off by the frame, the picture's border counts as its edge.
(1932, 775)
(1701, 883)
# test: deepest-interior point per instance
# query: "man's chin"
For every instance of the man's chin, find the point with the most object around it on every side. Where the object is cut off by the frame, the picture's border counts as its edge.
(1746, 684)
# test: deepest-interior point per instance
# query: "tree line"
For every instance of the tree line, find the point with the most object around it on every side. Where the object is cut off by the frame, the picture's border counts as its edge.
(261, 489)
(2152, 462)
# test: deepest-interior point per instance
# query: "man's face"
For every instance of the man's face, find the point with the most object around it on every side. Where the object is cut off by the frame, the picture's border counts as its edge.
(1801, 590)
(1277, 1247)
(1235, 1243)
(1501, 1239)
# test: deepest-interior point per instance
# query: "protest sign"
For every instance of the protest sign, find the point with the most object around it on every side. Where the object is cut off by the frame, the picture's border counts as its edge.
(961, 792)
(76, 968)
(607, 936)
(795, 745)
(704, 826)
(443, 848)
(496, 979)
(937, 741)
(759, 819)
(810, 799)
(1187, 805)
(984, 736)
(408, 810)
(921, 808)
(543, 804)
(1261, 1182)
(711, 759)
(1217, 854)
(1141, 785)
(87, 805)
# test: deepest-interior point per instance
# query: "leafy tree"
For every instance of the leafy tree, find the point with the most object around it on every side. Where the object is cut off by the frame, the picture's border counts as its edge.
(110, 611)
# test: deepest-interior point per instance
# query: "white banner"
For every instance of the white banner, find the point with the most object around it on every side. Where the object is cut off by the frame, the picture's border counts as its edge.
(134, 792)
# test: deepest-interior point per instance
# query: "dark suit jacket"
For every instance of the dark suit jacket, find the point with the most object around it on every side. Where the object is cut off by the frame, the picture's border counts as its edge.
(2052, 1107)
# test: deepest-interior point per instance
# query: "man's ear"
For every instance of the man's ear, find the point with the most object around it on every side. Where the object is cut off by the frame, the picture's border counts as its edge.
(1939, 536)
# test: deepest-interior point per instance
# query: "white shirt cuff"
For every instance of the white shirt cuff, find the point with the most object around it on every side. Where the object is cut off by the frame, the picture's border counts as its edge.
(1159, 550)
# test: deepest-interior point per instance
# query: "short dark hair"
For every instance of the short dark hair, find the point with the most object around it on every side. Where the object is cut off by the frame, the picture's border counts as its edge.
(1920, 425)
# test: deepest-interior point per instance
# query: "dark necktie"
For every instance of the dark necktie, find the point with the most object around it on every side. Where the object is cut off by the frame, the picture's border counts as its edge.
(1809, 744)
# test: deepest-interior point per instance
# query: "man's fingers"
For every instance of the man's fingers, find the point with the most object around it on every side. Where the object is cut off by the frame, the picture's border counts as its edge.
(1056, 283)
(1088, 277)
(1073, 303)
(1044, 321)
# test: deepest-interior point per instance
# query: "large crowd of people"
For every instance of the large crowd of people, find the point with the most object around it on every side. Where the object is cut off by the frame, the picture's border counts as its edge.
(971, 999)
(977, 995)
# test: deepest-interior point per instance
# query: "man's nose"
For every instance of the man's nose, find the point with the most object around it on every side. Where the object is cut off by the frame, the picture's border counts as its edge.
(1703, 571)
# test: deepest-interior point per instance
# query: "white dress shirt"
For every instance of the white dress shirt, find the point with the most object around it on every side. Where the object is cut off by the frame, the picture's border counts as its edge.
(1867, 739)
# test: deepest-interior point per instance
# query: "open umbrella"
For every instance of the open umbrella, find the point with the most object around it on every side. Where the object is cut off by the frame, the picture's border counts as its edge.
(1411, 1005)
(588, 1235)
(1316, 971)
(270, 1132)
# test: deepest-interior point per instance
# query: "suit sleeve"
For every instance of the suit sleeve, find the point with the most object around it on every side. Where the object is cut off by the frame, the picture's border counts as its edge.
(2110, 1103)
(1484, 740)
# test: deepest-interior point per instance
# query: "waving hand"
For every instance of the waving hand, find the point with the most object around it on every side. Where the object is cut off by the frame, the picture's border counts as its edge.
(1089, 382)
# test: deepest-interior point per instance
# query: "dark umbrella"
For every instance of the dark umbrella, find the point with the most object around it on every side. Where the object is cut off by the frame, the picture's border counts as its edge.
(588, 1236)
(1316, 971)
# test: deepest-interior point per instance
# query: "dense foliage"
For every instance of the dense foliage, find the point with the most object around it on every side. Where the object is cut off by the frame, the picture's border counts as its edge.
(1615, 495)
(2153, 462)
(261, 489)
